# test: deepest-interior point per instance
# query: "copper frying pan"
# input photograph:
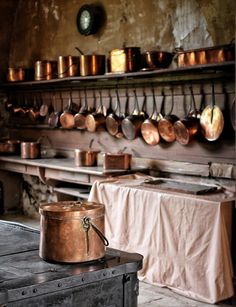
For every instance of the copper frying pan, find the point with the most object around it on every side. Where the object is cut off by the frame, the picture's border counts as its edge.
(166, 124)
(113, 120)
(212, 120)
(149, 128)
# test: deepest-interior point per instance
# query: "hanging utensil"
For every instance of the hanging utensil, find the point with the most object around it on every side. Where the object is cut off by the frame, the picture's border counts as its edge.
(232, 115)
(187, 128)
(149, 128)
(212, 120)
(54, 117)
(166, 124)
(113, 120)
(131, 124)
(67, 117)
(80, 117)
(96, 119)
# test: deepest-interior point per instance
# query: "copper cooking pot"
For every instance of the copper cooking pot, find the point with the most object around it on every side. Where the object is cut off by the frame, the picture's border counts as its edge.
(149, 128)
(68, 66)
(166, 124)
(15, 74)
(131, 125)
(157, 59)
(118, 160)
(123, 60)
(45, 70)
(72, 231)
(187, 128)
(30, 150)
(114, 119)
(97, 119)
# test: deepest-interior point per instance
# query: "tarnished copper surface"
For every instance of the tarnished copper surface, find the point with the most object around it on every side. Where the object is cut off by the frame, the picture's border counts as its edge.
(45, 70)
(117, 161)
(86, 157)
(15, 74)
(125, 60)
(92, 65)
(64, 235)
(186, 129)
(68, 66)
(166, 128)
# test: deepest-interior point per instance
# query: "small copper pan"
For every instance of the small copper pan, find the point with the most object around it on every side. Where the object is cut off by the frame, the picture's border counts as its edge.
(212, 120)
(187, 128)
(67, 117)
(97, 119)
(149, 128)
(113, 120)
(166, 124)
(80, 116)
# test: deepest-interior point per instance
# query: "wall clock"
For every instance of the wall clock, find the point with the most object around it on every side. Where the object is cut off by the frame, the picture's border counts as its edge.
(90, 18)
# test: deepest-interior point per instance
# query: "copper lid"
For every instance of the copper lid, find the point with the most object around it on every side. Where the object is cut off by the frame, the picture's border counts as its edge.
(71, 209)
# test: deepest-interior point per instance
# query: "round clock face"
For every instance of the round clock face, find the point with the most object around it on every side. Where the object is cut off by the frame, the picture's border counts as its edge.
(85, 19)
(89, 19)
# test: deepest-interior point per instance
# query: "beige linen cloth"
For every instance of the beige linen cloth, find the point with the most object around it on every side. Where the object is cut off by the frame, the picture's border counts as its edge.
(184, 239)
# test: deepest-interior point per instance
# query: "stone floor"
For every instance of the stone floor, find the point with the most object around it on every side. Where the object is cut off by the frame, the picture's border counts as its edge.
(149, 295)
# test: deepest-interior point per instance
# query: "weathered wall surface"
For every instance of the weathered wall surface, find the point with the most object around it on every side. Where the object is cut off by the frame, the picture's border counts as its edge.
(45, 29)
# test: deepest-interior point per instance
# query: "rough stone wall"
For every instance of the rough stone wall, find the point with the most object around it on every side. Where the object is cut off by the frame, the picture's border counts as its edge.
(45, 29)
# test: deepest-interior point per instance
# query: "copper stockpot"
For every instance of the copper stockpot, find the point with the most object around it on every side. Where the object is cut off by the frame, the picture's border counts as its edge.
(92, 64)
(125, 60)
(85, 157)
(15, 74)
(209, 55)
(68, 66)
(45, 70)
(72, 231)
(30, 150)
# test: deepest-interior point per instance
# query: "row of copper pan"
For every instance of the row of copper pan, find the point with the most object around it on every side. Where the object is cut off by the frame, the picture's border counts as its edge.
(129, 59)
(153, 128)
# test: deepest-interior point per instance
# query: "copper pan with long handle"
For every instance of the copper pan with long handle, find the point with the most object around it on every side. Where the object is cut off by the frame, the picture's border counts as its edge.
(212, 120)
(166, 124)
(131, 125)
(186, 129)
(113, 120)
(80, 116)
(149, 128)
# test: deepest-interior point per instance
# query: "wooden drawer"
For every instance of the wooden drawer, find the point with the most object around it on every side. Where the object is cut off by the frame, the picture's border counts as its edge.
(14, 167)
(66, 176)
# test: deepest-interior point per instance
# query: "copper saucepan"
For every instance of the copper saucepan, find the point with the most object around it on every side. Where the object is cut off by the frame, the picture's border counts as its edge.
(149, 128)
(187, 128)
(92, 64)
(67, 66)
(166, 124)
(86, 157)
(80, 116)
(97, 119)
(113, 120)
(212, 120)
(45, 70)
(67, 117)
(131, 125)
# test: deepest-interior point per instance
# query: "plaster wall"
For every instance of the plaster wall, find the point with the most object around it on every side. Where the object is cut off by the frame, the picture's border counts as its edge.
(45, 29)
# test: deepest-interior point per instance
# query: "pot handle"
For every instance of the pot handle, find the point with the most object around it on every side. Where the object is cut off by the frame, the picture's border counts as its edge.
(86, 222)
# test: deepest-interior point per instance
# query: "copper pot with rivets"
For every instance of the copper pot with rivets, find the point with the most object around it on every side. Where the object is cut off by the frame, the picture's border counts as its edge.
(72, 231)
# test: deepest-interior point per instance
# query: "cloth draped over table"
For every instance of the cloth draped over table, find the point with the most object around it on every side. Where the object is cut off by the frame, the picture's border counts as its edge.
(185, 239)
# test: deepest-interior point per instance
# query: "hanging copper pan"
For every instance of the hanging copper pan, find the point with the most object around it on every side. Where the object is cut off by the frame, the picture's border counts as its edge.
(166, 124)
(97, 119)
(67, 117)
(131, 125)
(212, 120)
(187, 128)
(149, 128)
(80, 116)
(113, 120)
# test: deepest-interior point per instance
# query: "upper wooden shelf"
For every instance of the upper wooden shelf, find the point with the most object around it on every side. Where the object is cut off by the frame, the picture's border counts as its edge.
(225, 70)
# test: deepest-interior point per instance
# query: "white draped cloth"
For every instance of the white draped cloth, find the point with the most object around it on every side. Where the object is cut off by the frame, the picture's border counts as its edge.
(185, 239)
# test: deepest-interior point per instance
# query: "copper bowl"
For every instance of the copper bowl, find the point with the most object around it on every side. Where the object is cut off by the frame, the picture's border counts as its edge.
(157, 59)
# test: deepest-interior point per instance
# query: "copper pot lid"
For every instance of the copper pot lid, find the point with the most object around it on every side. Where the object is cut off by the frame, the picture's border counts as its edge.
(71, 209)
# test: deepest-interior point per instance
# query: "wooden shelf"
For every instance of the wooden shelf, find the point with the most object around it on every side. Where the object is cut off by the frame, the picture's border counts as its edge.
(199, 73)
